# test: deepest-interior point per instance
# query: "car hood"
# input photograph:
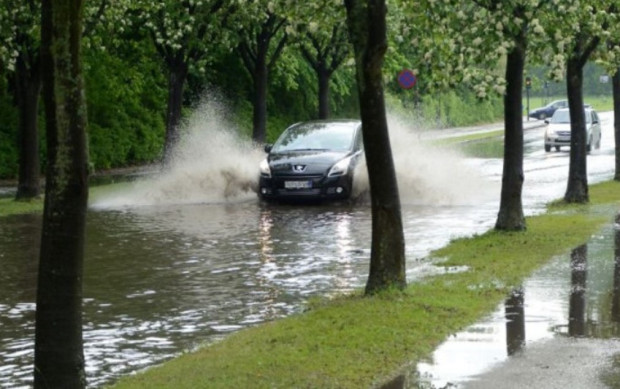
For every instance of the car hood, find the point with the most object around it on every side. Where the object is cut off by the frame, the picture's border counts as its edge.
(310, 162)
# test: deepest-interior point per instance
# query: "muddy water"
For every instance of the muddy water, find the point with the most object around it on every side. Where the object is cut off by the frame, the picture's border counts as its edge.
(187, 256)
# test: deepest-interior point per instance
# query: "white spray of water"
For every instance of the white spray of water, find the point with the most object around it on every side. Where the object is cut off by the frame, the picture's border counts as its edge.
(435, 175)
(428, 174)
(211, 164)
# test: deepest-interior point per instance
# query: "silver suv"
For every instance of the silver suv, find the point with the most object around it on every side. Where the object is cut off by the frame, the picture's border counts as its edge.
(557, 133)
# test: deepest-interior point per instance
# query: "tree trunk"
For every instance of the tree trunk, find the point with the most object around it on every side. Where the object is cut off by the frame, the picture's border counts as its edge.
(176, 83)
(510, 216)
(28, 87)
(577, 187)
(616, 94)
(258, 62)
(59, 356)
(259, 115)
(366, 21)
(323, 76)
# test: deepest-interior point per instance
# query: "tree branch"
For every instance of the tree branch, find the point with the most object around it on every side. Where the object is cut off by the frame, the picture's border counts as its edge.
(92, 22)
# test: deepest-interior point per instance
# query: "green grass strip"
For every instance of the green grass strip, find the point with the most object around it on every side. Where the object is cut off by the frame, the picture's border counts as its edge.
(8, 206)
(476, 136)
(359, 342)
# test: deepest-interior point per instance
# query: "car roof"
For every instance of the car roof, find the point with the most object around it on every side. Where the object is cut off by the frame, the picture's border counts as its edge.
(327, 121)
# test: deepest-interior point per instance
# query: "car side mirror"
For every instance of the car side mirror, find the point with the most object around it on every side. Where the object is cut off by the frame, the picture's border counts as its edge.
(268, 148)
(546, 121)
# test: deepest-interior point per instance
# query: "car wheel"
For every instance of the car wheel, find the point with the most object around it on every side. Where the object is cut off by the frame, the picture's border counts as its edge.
(547, 148)
(589, 145)
(557, 148)
(598, 143)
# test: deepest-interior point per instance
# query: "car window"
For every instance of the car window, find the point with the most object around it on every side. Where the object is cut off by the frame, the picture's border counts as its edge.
(317, 136)
(560, 116)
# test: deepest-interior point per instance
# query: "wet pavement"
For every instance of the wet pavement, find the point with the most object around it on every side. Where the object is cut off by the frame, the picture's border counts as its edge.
(186, 257)
(561, 329)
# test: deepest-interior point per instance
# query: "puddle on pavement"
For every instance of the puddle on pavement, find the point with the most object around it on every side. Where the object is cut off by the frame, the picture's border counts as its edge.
(571, 304)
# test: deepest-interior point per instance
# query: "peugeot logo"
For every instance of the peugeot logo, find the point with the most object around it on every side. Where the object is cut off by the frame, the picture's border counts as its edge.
(299, 168)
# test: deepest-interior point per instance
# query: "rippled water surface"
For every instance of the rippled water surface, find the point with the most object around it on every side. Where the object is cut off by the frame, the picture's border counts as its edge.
(161, 280)
(167, 270)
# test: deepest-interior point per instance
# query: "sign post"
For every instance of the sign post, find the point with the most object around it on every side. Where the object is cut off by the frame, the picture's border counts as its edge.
(528, 86)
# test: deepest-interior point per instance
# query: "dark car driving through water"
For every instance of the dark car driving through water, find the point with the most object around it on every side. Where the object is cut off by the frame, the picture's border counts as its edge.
(313, 160)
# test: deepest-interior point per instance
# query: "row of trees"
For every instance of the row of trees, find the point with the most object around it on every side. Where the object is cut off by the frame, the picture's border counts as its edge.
(191, 39)
(194, 38)
(59, 357)
(461, 42)
(563, 35)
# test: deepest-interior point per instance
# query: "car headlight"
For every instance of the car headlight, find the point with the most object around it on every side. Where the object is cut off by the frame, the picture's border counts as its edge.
(340, 168)
(264, 168)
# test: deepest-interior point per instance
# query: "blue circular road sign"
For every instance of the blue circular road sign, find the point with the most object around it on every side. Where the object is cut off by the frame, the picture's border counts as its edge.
(406, 79)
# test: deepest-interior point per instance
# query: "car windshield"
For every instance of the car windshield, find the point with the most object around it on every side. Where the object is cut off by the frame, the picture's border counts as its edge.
(316, 136)
(563, 117)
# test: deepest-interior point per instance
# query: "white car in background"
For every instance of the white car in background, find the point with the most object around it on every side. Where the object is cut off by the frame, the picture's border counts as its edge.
(558, 130)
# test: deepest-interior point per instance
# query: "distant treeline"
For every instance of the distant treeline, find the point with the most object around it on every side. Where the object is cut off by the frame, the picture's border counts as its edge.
(127, 94)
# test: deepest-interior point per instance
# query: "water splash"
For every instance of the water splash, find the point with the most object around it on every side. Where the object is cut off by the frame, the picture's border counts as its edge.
(211, 164)
(429, 174)
(435, 175)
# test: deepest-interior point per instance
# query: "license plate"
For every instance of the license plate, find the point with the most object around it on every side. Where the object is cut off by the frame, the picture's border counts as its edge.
(297, 184)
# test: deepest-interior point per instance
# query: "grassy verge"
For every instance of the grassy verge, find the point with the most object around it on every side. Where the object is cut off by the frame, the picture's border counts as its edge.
(358, 342)
(454, 140)
(8, 206)
(481, 145)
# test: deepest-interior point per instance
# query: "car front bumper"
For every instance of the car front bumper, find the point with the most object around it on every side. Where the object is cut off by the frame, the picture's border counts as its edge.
(557, 141)
(309, 188)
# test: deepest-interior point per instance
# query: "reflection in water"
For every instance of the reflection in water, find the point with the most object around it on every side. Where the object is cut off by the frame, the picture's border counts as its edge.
(515, 321)
(265, 224)
(558, 305)
(162, 280)
(577, 305)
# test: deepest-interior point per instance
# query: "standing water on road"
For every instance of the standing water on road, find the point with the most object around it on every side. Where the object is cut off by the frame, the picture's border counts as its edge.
(186, 256)
(561, 329)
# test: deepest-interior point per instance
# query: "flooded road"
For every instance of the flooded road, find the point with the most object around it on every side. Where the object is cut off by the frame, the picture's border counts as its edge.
(184, 258)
